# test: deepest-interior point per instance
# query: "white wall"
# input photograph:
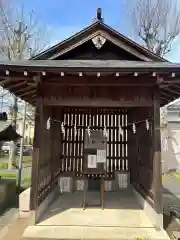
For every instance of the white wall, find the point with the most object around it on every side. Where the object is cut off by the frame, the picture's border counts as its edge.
(171, 153)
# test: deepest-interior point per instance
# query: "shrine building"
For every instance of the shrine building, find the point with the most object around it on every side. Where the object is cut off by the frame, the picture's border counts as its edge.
(97, 96)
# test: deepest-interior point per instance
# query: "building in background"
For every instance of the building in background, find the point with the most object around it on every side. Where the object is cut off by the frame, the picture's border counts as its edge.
(29, 129)
(171, 153)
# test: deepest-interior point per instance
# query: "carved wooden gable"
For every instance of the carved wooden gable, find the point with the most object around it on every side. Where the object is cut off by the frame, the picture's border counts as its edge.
(98, 41)
(103, 50)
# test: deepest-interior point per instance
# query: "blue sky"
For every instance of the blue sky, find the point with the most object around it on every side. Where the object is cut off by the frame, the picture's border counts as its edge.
(66, 17)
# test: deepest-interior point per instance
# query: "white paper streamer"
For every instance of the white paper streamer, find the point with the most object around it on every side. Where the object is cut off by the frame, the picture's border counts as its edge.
(62, 128)
(89, 131)
(134, 128)
(48, 125)
(105, 132)
(147, 124)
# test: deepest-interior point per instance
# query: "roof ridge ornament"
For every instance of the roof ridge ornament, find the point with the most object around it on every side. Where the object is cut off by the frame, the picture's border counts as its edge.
(99, 16)
(98, 41)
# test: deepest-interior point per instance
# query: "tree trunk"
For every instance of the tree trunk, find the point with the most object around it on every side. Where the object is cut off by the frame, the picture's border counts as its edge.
(12, 154)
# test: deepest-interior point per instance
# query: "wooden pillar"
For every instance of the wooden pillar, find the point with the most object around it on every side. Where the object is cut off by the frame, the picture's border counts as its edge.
(35, 164)
(36, 157)
(157, 168)
(131, 148)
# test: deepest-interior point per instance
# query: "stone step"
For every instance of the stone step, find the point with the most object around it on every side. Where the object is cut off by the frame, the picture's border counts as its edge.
(91, 233)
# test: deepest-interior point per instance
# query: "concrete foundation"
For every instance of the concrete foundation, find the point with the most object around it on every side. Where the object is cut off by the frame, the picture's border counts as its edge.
(156, 219)
(122, 218)
(46, 203)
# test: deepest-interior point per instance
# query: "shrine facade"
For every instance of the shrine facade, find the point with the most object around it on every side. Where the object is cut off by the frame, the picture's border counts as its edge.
(97, 80)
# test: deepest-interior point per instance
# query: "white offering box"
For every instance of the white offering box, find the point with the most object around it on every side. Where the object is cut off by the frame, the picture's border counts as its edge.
(122, 180)
(64, 183)
(108, 186)
(80, 185)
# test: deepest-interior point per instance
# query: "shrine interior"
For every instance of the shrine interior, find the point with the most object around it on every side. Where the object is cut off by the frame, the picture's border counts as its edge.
(129, 147)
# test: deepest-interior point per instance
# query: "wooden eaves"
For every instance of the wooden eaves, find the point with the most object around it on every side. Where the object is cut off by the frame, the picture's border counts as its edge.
(21, 77)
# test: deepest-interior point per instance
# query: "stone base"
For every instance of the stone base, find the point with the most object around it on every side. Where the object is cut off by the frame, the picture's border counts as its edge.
(156, 219)
(46, 203)
(24, 204)
(7, 193)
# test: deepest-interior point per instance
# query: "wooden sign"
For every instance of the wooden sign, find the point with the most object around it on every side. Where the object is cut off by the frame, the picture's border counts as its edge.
(94, 152)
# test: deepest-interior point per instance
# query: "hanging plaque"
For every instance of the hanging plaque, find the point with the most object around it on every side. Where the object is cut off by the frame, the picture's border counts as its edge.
(101, 156)
(92, 161)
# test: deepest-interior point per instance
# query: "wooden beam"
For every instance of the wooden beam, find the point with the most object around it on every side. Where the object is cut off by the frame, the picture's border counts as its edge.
(165, 99)
(177, 86)
(173, 81)
(30, 98)
(167, 95)
(23, 89)
(35, 164)
(6, 80)
(16, 85)
(103, 80)
(172, 91)
(27, 93)
(97, 102)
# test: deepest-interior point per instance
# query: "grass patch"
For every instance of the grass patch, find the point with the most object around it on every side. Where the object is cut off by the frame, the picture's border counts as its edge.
(26, 181)
(177, 175)
(9, 176)
(27, 162)
(4, 165)
(172, 175)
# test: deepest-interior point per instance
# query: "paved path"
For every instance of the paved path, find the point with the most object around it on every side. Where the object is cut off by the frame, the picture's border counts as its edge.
(16, 230)
(5, 219)
(171, 196)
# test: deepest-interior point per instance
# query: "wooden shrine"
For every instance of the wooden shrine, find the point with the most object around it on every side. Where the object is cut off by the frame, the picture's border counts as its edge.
(97, 78)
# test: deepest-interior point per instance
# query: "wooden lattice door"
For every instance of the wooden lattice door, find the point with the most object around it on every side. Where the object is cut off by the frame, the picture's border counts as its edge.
(77, 120)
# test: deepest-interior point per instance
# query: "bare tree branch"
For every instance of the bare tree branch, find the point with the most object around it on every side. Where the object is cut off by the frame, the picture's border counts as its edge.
(33, 37)
(21, 35)
(156, 22)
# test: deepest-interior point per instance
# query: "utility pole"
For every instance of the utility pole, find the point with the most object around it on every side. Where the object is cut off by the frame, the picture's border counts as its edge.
(21, 148)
